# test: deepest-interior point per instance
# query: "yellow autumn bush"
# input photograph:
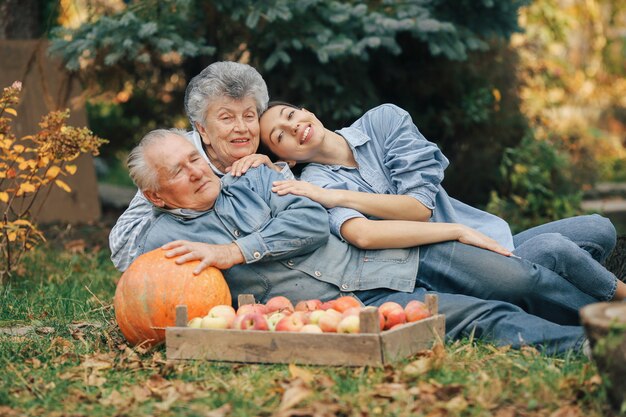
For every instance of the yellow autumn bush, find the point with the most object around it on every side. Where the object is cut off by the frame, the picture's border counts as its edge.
(29, 167)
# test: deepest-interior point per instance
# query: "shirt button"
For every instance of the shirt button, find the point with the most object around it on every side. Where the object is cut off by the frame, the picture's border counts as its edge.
(256, 255)
(318, 273)
(290, 263)
(344, 286)
(236, 233)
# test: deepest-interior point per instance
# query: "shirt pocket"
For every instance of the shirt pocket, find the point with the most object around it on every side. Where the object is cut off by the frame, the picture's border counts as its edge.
(397, 256)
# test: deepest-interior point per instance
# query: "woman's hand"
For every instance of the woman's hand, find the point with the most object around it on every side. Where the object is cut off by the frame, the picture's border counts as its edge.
(240, 166)
(219, 256)
(473, 237)
(321, 195)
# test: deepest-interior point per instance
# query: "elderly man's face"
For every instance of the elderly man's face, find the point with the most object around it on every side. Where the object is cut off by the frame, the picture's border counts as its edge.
(230, 131)
(185, 180)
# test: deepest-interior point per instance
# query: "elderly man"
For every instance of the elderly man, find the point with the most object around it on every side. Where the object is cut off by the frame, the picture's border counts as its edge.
(223, 103)
(269, 245)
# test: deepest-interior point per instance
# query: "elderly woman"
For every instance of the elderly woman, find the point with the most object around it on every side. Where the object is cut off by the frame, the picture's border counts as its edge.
(223, 104)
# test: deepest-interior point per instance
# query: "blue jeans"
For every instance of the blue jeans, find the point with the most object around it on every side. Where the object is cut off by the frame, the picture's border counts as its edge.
(456, 268)
(574, 248)
(493, 321)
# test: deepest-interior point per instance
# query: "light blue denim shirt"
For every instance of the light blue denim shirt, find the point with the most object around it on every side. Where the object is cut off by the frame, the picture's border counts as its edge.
(393, 157)
(124, 234)
(286, 243)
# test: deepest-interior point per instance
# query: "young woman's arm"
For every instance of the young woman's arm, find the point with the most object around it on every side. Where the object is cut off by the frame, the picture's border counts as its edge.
(386, 234)
(383, 206)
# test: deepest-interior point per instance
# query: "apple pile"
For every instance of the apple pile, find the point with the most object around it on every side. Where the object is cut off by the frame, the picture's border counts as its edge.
(309, 316)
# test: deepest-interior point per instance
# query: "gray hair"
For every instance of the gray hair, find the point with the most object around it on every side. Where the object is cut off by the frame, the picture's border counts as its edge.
(143, 174)
(223, 79)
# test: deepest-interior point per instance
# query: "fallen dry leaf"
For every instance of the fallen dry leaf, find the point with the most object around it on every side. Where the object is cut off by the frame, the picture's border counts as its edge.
(115, 399)
(457, 404)
(169, 396)
(505, 412)
(140, 394)
(567, 411)
(418, 367)
(10, 412)
(98, 362)
(298, 372)
(45, 330)
(293, 395)
(391, 390)
(222, 411)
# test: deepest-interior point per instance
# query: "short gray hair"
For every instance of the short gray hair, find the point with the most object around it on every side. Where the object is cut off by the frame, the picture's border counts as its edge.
(223, 79)
(143, 174)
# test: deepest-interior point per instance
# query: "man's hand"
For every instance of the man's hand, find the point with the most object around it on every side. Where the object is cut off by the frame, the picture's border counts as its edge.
(219, 256)
(302, 188)
(240, 166)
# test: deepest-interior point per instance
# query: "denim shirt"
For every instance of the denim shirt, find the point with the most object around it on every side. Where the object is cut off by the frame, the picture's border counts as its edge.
(393, 157)
(124, 234)
(285, 241)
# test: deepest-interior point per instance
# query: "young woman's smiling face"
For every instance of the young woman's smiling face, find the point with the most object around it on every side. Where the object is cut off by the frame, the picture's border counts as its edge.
(291, 133)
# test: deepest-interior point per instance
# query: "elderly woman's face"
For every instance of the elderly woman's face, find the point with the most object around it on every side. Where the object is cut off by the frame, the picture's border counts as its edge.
(230, 131)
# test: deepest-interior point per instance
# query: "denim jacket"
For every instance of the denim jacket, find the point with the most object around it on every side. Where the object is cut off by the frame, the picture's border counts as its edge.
(285, 241)
(393, 157)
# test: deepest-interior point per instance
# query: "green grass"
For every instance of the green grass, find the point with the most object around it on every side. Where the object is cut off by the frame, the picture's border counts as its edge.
(76, 363)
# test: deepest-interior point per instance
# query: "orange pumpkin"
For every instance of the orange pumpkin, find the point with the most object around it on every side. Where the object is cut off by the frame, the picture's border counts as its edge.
(150, 289)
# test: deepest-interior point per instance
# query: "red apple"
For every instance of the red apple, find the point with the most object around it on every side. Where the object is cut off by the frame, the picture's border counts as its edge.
(225, 311)
(387, 306)
(252, 321)
(327, 305)
(310, 328)
(291, 323)
(393, 314)
(251, 308)
(416, 310)
(352, 311)
(329, 321)
(395, 326)
(308, 305)
(279, 303)
(349, 324)
(343, 303)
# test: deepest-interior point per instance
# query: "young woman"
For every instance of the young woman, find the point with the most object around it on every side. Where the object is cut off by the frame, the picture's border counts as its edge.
(381, 181)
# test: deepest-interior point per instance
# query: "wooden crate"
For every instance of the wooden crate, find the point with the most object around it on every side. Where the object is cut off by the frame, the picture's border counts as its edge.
(369, 347)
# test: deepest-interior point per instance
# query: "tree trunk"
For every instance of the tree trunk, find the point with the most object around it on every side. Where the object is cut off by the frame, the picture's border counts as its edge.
(19, 19)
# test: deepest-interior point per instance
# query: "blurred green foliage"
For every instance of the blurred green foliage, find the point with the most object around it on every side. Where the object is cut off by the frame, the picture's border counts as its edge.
(446, 61)
(537, 185)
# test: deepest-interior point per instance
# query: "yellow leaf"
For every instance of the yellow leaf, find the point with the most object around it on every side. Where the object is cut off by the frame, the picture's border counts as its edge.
(4, 197)
(27, 187)
(63, 185)
(22, 222)
(11, 111)
(71, 169)
(53, 172)
(12, 236)
(18, 148)
(43, 161)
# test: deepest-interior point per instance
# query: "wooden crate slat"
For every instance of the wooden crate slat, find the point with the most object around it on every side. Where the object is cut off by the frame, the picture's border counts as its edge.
(409, 339)
(273, 347)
